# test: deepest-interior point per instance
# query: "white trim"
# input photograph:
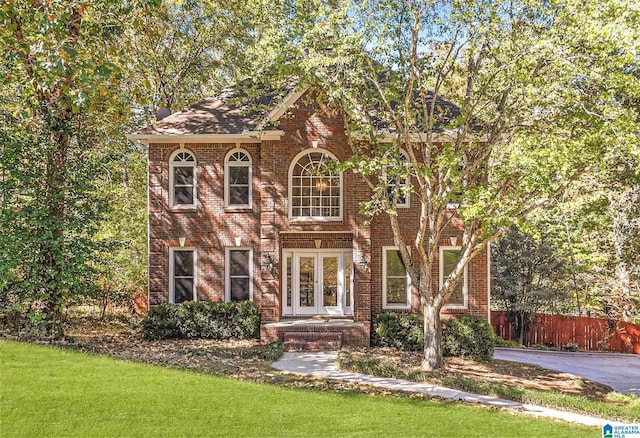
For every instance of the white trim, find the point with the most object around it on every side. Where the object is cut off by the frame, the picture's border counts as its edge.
(293, 308)
(418, 137)
(283, 106)
(227, 165)
(384, 282)
(172, 250)
(172, 166)
(290, 191)
(227, 278)
(465, 280)
(488, 249)
(244, 137)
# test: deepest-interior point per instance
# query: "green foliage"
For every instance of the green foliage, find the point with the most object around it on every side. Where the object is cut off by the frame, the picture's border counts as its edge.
(398, 330)
(202, 319)
(525, 272)
(499, 342)
(526, 122)
(468, 336)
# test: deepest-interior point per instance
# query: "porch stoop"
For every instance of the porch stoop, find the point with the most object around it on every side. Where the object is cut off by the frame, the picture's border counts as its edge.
(312, 341)
(317, 334)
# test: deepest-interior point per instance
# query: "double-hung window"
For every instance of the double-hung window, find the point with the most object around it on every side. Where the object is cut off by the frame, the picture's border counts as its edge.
(182, 179)
(396, 286)
(239, 274)
(182, 272)
(448, 258)
(237, 177)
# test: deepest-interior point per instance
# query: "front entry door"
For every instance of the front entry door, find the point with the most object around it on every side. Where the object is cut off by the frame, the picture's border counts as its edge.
(318, 283)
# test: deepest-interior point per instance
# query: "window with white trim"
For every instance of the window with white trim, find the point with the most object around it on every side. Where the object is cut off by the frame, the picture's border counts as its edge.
(182, 179)
(396, 286)
(239, 274)
(402, 180)
(237, 178)
(314, 190)
(182, 275)
(448, 258)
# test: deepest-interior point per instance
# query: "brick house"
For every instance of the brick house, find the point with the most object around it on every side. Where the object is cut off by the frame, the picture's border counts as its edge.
(238, 210)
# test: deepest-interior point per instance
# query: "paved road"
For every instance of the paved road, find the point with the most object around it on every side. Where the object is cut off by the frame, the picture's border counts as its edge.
(619, 371)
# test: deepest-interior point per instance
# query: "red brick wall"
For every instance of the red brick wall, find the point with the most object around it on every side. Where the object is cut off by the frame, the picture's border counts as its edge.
(267, 227)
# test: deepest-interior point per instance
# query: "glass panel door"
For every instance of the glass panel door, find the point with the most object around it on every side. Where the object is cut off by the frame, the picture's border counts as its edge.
(306, 284)
(330, 283)
(318, 283)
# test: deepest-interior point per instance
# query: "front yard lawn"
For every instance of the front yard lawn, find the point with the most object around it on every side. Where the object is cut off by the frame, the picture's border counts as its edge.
(46, 391)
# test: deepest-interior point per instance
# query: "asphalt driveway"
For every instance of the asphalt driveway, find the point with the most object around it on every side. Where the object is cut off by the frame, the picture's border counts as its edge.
(619, 371)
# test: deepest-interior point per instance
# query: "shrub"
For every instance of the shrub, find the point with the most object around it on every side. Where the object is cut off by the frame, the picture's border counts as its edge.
(499, 342)
(571, 346)
(398, 330)
(468, 336)
(202, 319)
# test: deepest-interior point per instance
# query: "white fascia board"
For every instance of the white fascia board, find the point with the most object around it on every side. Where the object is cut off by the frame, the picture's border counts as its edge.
(244, 137)
(283, 106)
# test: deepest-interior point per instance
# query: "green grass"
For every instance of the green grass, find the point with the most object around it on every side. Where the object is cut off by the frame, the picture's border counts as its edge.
(48, 392)
(618, 407)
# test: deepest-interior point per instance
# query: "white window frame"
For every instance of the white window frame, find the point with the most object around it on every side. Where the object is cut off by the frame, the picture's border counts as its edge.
(172, 298)
(172, 166)
(228, 164)
(384, 282)
(290, 187)
(465, 281)
(227, 270)
(405, 183)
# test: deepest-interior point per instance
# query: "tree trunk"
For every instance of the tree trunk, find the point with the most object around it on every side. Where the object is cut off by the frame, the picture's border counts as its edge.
(432, 337)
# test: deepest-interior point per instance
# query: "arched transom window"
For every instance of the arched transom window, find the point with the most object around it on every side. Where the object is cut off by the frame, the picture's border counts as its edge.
(182, 179)
(237, 179)
(315, 192)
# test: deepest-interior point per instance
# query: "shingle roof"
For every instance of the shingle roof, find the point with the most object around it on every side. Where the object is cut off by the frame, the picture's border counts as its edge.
(231, 112)
(235, 112)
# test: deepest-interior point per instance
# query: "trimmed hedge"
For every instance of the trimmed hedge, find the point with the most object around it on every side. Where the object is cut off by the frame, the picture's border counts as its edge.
(202, 319)
(468, 336)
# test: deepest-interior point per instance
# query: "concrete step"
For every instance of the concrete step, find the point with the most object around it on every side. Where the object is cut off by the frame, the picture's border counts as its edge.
(312, 341)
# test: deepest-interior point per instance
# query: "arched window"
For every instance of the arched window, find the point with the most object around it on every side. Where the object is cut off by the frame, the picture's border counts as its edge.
(314, 190)
(237, 177)
(182, 179)
(399, 177)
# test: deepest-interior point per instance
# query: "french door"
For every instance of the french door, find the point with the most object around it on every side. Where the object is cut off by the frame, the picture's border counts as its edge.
(318, 283)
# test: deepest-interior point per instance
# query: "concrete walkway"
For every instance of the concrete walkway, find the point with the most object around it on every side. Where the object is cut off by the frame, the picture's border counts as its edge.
(323, 365)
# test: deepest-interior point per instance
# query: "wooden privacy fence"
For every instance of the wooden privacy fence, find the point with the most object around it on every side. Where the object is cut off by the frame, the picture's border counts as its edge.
(590, 334)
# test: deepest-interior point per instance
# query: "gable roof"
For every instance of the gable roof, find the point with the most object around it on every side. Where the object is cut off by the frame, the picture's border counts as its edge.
(233, 111)
(250, 112)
